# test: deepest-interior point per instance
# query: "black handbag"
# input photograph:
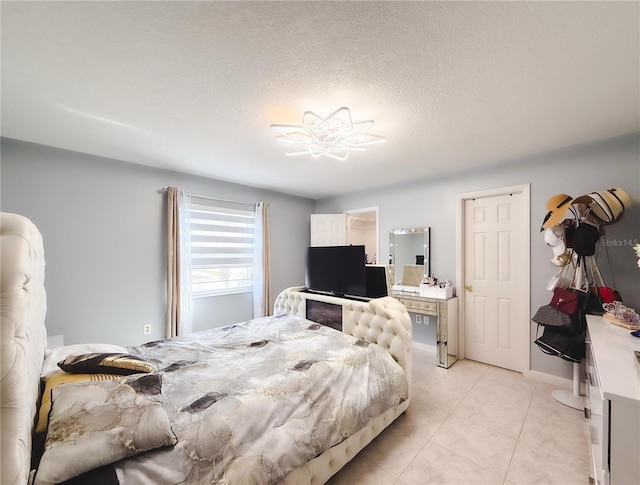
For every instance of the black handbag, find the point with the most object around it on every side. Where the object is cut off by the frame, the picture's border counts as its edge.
(562, 342)
(566, 342)
(594, 300)
(594, 303)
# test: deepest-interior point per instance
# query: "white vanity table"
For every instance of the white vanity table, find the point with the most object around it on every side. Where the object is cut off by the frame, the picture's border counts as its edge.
(446, 315)
(613, 404)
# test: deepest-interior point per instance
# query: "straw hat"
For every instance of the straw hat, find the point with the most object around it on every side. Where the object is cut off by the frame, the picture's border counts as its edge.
(582, 209)
(557, 207)
(608, 205)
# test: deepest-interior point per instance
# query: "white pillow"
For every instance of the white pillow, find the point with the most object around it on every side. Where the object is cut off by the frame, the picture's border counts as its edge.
(53, 356)
(93, 424)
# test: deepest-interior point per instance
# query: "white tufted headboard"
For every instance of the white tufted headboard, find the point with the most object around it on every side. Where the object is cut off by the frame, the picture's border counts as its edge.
(23, 341)
(382, 321)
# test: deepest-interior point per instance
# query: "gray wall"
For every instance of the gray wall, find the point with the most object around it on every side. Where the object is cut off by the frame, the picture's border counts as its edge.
(102, 222)
(574, 171)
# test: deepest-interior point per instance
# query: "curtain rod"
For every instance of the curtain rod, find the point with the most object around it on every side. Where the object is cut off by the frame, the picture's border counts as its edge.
(217, 199)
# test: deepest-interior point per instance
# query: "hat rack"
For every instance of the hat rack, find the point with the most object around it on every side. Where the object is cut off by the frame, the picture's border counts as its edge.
(573, 399)
(603, 207)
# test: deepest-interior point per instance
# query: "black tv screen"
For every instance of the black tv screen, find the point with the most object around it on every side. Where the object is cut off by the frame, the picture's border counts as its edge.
(336, 270)
(376, 282)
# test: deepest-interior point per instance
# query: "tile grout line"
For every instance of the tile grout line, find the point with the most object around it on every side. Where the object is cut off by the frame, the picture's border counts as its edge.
(526, 414)
(450, 414)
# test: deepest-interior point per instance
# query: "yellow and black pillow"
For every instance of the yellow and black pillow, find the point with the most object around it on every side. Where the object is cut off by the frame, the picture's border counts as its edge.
(105, 363)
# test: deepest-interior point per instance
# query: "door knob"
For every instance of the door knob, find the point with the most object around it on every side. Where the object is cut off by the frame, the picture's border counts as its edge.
(468, 287)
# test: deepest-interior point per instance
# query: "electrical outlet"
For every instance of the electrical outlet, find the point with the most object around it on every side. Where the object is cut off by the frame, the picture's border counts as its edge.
(146, 329)
(418, 318)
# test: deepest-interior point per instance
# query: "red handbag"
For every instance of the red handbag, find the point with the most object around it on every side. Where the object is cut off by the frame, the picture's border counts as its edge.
(565, 300)
(606, 294)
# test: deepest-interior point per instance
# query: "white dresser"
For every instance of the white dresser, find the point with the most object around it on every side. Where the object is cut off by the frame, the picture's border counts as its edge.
(613, 391)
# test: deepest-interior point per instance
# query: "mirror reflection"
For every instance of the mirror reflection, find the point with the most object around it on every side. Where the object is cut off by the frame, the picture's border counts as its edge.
(409, 255)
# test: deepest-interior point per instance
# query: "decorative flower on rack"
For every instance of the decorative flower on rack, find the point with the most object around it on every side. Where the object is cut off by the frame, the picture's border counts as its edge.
(334, 136)
(637, 249)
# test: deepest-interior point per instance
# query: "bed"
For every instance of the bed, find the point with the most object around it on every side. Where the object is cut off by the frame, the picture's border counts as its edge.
(281, 399)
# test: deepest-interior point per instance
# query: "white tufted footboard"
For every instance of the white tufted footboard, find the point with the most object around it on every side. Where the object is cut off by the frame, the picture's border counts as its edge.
(383, 321)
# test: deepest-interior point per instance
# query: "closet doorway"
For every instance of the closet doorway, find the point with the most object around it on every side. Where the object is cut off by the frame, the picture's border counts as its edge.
(354, 226)
(493, 266)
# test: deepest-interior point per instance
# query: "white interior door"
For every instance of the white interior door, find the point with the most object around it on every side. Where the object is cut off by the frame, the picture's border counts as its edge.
(496, 280)
(328, 229)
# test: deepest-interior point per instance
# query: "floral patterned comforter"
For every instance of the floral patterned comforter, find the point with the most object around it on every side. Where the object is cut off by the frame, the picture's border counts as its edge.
(251, 402)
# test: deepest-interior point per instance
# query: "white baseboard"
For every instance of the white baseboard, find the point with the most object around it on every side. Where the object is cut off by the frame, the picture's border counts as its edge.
(549, 379)
(561, 382)
(425, 347)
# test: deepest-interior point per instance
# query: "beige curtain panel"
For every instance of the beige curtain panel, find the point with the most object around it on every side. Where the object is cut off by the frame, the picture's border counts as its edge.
(261, 262)
(179, 305)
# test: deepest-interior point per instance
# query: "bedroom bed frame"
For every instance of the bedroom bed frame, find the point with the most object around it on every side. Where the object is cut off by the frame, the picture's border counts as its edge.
(383, 321)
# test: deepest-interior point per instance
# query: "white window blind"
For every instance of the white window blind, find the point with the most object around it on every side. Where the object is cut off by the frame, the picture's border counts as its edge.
(222, 239)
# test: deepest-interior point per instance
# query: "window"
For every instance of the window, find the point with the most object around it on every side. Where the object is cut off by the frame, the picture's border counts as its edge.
(221, 247)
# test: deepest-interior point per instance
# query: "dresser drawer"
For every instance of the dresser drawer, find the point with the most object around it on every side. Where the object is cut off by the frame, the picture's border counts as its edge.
(426, 307)
(596, 413)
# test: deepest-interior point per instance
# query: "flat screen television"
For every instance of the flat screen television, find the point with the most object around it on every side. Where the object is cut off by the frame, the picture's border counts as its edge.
(336, 270)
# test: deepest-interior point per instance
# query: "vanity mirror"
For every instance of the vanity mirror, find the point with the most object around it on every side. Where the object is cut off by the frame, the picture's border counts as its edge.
(409, 255)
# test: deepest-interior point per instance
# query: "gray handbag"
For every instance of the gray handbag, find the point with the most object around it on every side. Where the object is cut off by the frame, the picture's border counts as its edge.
(550, 316)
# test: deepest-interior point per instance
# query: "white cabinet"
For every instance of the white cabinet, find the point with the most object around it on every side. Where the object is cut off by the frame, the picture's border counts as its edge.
(613, 405)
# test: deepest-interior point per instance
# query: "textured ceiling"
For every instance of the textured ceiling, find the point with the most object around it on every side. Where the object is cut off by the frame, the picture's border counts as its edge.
(194, 86)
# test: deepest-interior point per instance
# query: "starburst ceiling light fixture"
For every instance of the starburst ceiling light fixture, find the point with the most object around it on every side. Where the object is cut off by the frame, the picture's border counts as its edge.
(334, 136)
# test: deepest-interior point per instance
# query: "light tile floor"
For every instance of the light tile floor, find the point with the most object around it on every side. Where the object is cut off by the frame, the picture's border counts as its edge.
(475, 424)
